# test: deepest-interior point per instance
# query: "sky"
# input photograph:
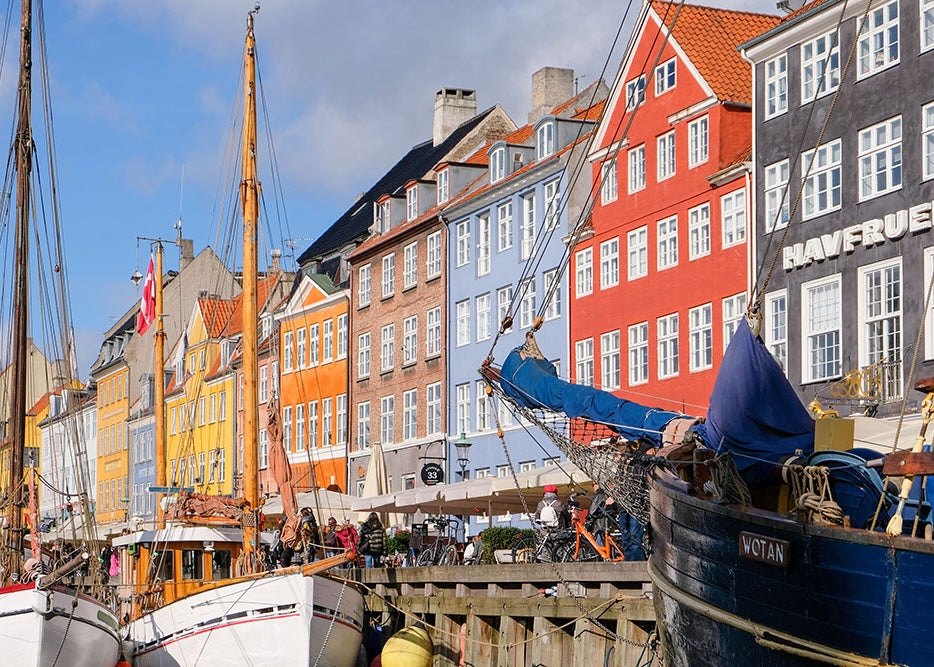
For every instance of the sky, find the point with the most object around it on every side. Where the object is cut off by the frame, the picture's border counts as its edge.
(143, 94)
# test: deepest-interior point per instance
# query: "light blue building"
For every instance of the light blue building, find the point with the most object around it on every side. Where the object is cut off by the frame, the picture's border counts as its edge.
(142, 437)
(506, 254)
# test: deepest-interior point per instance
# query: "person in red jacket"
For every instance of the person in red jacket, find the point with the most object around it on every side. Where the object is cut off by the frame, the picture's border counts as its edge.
(347, 537)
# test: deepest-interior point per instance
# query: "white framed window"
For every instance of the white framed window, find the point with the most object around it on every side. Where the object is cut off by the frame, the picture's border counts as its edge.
(821, 323)
(665, 77)
(388, 347)
(504, 226)
(776, 86)
(341, 336)
(300, 350)
(822, 185)
(698, 141)
(410, 340)
(609, 360)
(637, 169)
(667, 243)
(880, 311)
(433, 408)
(699, 231)
(443, 186)
(638, 353)
(410, 414)
(927, 25)
(201, 405)
(483, 316)
(552, 206)
(433, 260)
(733, 218)
(327, 422)
(734, 307)
(776, 326)
(263, 453)
(483, 244)
(497, 164)
(880, 158)
(363, 425)
(327, 341)
(638, 242)
(381, 212)
(387, 406)
(609, 263)
(222, 410)
(527, 305)
(503, 304)
(410, 265)
(666, 155)
(527, 243)
(287, 358)
(389, 275)
(777, 210)
(363, 355)
(463, 407)
(411, 203)
(820, 67)
(463, 322)
(583, 359)
(484, 421)
(700, 323)
(635, 92)
(462, 233)
(667, 330)
(552, 287)
(263, 393)
(608, 184)
(583, 272)
(545, 139)
(927, 136)
(364, 286)
(213, 415)
(312, 425)
(313, 345)
(300, 427)
(877, 46)
(286, 428)
(433, 333)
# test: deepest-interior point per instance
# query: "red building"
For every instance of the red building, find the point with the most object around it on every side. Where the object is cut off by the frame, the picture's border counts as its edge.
(660, 278)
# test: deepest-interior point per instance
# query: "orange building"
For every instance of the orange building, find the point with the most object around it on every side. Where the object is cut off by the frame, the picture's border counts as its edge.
(313, 346)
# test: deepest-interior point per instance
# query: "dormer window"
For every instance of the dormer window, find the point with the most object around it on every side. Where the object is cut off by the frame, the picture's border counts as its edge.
(381, 216)
(545, 139)
(411, 203)
(498, 164)
(635, 92)
(443, 179)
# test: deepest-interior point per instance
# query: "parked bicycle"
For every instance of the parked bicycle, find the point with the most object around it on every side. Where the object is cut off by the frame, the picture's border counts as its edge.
(443, 551)
(587, 546)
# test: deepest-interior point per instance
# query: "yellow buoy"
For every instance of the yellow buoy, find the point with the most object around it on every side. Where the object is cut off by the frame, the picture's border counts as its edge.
(410, 647)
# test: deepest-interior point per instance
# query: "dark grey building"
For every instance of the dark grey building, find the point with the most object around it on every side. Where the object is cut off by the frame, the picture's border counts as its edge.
(844, 182)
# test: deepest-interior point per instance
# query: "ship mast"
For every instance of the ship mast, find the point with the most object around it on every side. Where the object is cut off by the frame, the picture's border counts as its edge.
(249, 200)
(23, 151)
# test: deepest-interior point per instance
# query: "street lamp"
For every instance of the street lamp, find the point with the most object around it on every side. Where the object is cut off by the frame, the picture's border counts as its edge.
(463, 453)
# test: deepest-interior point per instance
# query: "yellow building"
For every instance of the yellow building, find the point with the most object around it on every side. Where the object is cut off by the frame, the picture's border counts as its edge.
(113, 461)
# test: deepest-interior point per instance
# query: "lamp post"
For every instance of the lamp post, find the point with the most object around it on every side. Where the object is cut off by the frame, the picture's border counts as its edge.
(463, 446)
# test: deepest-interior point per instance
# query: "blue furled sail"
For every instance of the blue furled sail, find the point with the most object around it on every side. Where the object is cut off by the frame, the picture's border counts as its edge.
(754, 412)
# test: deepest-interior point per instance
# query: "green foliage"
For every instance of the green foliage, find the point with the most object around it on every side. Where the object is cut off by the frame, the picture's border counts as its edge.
(502, 538)
(398, 542)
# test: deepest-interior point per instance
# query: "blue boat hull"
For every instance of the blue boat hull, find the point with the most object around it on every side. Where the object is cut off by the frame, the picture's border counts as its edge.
(803, 595)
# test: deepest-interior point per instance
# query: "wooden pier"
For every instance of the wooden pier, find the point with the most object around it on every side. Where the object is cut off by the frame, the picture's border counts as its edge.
(483, 615)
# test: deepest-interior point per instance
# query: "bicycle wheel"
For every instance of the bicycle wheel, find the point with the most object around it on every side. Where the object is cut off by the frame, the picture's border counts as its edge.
(449, 555)
(523, 551)
(563, 551)
(426, 557)
(587, 553)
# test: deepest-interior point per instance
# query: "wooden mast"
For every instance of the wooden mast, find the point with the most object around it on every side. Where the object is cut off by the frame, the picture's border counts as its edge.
(23, 149)
(159, 383)
(249, 200)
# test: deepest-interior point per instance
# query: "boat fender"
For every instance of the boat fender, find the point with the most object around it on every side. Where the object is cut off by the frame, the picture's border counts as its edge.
(410, 647)
(123, 663)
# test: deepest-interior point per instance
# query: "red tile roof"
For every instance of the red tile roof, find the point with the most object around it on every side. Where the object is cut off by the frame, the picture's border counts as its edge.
(216, 313)
(710, 37)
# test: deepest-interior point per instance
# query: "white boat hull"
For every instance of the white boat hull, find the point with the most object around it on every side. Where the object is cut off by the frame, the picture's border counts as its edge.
(55, 627)
(282, 619)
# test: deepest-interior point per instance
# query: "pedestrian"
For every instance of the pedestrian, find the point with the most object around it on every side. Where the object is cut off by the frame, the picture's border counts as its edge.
(372, 542)
(631, 532)
(602, 516)
(347, 537)
(308, 530)
(331, 542)
(550, 511)
(473, 552)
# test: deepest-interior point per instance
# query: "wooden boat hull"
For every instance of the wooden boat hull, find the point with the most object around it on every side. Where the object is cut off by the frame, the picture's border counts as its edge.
(56, 626)
(736, 587)
(281, 619)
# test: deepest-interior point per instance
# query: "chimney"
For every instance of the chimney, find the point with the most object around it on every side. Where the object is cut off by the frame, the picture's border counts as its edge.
(276, 261)
(188, 253)
(551, 87)
(453, 106)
